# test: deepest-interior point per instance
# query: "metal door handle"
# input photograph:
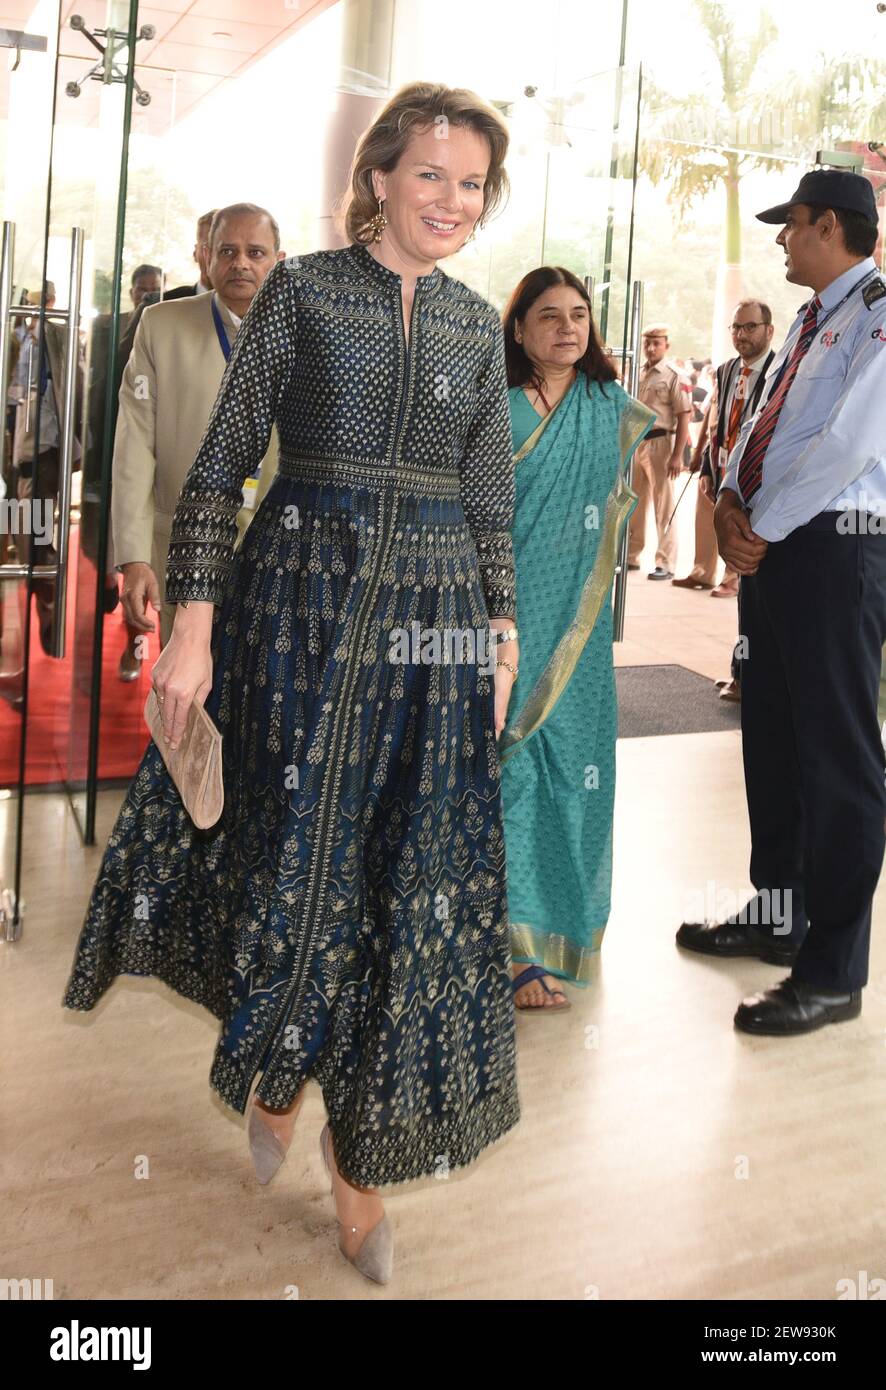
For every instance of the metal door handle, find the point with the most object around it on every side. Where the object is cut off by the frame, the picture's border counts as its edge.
(632, 386)
(636, 322)
(71, 317)
(7, 251)
(66, 453)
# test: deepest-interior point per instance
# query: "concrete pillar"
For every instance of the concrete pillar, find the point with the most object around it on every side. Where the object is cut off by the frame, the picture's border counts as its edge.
(363, 88)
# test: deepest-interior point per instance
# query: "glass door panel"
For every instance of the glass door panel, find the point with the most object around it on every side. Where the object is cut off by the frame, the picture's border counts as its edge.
(27, 71)
(94, 92)
(572, 164)
(122, 663)
(589, 219)
(65, 130)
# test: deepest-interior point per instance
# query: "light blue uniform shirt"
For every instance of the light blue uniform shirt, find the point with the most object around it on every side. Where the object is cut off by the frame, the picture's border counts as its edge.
(828, 452)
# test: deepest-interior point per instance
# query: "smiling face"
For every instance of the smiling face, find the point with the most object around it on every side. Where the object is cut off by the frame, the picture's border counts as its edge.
(240, 257)
(555, 331)
(434, 196)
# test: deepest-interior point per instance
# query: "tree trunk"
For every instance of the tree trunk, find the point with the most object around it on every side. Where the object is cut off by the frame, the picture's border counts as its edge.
(730, 280)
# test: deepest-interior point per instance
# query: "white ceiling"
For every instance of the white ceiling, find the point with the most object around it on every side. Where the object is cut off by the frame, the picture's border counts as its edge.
(196, 47)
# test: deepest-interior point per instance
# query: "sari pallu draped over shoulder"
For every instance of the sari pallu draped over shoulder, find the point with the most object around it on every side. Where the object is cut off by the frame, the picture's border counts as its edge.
(558, 746)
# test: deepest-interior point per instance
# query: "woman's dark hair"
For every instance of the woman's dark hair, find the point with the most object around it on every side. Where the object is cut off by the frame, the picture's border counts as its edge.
(595, 364)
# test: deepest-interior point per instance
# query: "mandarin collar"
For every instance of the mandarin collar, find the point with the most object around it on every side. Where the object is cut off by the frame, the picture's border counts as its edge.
(424, 284)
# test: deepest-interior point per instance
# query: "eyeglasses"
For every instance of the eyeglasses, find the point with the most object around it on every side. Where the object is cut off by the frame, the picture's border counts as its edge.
(737, 328)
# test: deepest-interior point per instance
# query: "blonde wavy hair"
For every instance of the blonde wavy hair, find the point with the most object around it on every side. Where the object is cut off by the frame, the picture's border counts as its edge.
(412, 110)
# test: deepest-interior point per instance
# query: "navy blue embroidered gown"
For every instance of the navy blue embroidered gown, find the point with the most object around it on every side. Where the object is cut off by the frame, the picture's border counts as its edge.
(346, 919)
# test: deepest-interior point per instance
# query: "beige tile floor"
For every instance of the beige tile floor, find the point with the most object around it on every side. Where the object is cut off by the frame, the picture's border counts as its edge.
(668, 625)
(660, 1153)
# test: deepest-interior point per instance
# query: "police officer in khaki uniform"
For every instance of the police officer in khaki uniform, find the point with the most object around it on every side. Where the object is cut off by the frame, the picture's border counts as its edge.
(659, 458)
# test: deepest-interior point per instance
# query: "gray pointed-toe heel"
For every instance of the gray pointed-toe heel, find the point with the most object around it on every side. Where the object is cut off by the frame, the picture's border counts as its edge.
(375, 1257)
(267, 1151)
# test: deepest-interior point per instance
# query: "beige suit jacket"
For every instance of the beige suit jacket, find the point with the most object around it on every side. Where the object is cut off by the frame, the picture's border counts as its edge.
(167, 393)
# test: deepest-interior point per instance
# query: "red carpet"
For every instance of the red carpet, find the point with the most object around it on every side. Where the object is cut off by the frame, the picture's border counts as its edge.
(58, 697)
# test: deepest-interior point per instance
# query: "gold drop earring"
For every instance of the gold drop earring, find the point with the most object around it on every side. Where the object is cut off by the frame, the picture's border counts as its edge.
(378, 223)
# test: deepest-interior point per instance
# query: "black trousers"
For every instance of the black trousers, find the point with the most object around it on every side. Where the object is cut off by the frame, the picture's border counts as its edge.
(814, 619)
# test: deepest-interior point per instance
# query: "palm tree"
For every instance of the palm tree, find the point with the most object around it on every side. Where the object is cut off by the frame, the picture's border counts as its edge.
(701, 142)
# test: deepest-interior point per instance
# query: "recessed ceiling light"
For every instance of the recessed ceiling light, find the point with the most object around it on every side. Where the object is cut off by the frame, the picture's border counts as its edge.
(220, 34)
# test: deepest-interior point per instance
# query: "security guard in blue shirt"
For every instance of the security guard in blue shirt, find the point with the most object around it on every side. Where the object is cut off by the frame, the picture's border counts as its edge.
(802, 517)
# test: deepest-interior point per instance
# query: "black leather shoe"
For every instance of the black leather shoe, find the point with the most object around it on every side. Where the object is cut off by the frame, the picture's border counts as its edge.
(795, 1007)
(732, 938)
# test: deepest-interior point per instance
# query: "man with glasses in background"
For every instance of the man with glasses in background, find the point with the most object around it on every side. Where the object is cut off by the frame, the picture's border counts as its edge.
(738, 385)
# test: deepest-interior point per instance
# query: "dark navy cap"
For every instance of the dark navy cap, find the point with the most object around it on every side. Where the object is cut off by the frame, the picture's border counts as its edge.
(832, 188)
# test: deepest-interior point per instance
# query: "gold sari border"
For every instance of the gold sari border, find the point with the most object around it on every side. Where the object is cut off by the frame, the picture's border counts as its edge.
(557, 954)
(531, 440)
(635, 420)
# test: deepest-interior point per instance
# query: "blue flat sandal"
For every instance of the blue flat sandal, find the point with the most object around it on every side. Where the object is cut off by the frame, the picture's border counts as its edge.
(538, 972)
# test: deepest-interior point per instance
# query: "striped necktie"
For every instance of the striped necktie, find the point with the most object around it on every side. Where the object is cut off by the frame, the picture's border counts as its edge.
(750, 470)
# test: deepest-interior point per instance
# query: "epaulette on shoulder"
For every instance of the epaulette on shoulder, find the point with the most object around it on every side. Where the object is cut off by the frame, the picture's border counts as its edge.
(873, 292)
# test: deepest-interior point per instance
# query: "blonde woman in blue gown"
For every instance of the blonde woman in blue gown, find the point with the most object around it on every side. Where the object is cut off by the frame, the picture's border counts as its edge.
(346, 919)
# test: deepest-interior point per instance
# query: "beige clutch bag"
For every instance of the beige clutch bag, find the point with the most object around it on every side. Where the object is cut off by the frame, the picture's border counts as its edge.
(195, 766)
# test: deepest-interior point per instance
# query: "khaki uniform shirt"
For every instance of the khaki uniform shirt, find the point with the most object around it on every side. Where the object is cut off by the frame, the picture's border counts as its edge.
(663, 389)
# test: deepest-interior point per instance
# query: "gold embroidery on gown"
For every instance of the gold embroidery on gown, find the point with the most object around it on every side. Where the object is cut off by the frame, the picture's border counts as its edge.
(346, 920)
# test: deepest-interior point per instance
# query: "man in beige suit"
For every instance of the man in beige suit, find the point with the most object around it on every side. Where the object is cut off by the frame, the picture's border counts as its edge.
(166, 396)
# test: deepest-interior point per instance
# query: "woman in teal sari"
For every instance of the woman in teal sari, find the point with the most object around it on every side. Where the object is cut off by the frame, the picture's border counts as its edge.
(574, 430)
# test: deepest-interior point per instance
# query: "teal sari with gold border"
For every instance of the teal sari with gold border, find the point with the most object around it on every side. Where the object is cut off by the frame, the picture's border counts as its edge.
(557, 749)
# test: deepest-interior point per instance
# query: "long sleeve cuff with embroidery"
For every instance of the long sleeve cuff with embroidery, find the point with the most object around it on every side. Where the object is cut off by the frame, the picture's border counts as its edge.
(487, 485)
(204, 527)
